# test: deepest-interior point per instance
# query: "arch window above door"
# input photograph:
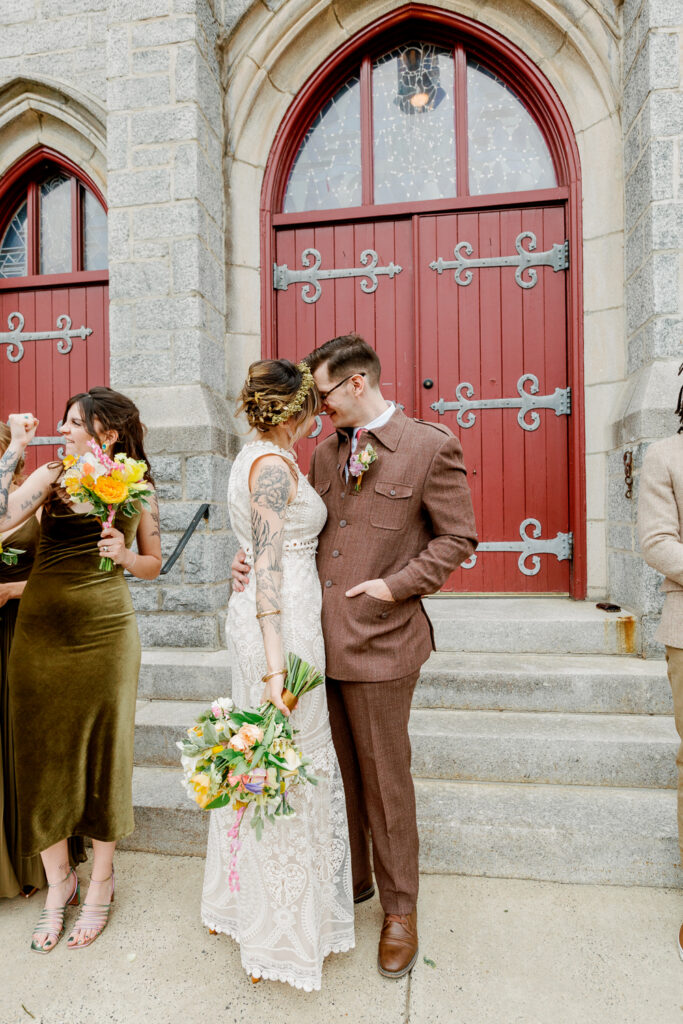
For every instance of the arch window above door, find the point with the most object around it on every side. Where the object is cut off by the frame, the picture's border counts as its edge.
(56, 225)
(420, 122)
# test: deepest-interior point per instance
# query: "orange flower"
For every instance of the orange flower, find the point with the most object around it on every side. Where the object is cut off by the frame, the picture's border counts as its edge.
(87, 481)
(111, 491)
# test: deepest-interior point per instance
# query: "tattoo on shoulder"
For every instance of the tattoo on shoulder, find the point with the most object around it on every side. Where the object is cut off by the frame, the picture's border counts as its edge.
(271, 488)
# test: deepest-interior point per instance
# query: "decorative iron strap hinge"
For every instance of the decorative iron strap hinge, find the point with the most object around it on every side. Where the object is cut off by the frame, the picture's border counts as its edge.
(15, 337)
(560, 401)
(313, 275)
(557, 258)
(39, 441)
(529, 547)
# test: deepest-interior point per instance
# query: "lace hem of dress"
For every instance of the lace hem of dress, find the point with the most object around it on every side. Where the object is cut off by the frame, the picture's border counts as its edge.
(270, 974)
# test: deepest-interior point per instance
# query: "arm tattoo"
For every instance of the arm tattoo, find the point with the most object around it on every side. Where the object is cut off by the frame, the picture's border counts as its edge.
(268, 504)
(271, 489)
(154, 509)
(8, 463)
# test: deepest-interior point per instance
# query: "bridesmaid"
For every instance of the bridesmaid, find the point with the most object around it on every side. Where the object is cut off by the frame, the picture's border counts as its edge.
(17, 873)
(74, 663)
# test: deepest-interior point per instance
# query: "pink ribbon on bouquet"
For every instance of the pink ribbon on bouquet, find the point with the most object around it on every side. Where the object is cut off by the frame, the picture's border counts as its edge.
(235, 846)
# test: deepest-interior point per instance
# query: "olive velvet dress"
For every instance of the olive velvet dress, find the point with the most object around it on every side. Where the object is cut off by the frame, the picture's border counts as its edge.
(73, 677)
(16, 871)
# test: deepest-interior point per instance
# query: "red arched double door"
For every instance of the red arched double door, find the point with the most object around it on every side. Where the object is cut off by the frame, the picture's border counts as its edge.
(53, 292)
(423, 192)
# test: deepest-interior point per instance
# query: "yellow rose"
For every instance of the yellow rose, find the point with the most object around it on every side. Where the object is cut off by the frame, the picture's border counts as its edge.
(110, 490)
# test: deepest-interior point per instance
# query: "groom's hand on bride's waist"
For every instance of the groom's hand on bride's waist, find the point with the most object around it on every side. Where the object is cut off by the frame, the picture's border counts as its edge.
(240, 572)
(373, 588)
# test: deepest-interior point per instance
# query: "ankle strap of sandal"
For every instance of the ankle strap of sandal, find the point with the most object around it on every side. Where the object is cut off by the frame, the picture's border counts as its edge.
(53, 885)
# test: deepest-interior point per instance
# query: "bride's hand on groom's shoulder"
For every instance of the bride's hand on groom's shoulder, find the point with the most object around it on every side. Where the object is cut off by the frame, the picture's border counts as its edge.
(240, 572)
(373, 588)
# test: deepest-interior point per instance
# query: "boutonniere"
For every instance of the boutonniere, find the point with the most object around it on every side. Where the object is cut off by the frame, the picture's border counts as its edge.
(360, 463)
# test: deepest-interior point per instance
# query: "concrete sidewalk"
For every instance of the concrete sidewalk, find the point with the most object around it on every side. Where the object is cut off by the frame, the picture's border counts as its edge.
(504, 952)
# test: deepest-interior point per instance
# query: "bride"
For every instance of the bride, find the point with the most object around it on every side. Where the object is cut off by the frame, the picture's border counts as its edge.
(295, 901)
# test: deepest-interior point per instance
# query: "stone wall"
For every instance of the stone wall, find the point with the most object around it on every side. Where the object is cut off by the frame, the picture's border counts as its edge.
(167, 291)
(652, 122)
(63, 40)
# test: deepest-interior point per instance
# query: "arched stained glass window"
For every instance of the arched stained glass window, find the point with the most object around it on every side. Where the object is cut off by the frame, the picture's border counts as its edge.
(57, 227)
(420, 122)
(507, 152)
(413, 124)
(327, 171)
(13, 246)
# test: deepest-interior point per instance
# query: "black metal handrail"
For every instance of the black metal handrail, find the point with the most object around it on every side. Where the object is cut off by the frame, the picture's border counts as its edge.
(201, 513)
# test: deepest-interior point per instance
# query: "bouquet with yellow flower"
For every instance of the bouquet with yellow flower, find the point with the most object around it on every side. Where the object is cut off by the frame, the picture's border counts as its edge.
(248, 758)
(106, 484)
(10, 556)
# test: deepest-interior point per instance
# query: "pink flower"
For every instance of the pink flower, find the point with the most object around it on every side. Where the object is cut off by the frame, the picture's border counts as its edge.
(238, 742)
(251, 734)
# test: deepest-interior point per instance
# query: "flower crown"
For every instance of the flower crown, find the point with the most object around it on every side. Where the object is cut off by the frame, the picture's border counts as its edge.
(297, 402)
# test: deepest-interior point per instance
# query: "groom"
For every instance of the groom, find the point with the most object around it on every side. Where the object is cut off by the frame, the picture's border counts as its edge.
(392, 535)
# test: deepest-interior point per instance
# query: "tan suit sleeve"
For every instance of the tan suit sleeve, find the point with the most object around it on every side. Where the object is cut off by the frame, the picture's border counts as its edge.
(447, 503)
(658, 517)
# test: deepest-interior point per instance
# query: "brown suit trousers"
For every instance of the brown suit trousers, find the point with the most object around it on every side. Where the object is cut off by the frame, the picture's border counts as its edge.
(674, 667)
(373, 750)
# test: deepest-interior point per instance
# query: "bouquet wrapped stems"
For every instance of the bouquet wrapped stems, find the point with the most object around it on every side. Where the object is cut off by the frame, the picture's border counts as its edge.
(301, 677)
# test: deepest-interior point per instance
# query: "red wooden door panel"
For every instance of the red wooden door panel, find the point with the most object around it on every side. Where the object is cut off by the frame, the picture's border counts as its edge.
(44, 378)
(488, 334)
(384, 317)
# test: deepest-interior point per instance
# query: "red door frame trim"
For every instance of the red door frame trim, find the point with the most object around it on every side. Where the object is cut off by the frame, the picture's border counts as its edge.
(515, 68)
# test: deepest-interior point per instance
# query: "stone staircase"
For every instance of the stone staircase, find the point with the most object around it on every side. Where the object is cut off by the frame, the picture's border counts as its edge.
(542, 746)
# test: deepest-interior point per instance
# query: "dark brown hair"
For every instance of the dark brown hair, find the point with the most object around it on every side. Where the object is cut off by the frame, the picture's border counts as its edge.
(114, 411)
(346, 355)
(271, 385)
(5, 438)
(679, 407)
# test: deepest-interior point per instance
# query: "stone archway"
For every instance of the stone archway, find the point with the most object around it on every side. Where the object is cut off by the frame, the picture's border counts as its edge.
(270, 55)
(39, 112)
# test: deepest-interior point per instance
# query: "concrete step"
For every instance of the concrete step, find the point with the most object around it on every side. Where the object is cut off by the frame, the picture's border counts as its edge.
(556, 833)
(544, 682)
(466, 680)
(169, 674)
(535, 625)
(562, 749)
(159, 724)
(486, 746)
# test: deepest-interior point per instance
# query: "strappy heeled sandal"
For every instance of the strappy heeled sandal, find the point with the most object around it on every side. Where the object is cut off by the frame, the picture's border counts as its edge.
(51, 921)
(93, 917)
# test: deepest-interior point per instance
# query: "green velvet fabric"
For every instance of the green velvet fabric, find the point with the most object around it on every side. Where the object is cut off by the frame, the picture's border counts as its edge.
(73, 676)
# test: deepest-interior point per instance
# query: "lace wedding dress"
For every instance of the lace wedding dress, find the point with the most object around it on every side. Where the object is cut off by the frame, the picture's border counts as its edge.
(295, 903)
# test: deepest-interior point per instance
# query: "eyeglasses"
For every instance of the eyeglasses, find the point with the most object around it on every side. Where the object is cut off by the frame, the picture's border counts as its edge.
(324, 395)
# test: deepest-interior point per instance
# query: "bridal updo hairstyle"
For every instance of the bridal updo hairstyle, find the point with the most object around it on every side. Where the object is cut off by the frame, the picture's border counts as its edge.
(271, 386)
(113, 411)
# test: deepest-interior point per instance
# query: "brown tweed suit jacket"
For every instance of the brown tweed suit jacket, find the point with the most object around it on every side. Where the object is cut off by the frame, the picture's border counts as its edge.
(411, 525)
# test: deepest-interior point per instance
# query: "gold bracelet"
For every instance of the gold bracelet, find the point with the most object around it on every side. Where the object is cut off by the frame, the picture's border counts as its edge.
(271, 675)
(262, 615)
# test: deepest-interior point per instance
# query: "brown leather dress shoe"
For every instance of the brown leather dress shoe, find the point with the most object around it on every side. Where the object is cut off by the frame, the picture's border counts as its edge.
(397, 945)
